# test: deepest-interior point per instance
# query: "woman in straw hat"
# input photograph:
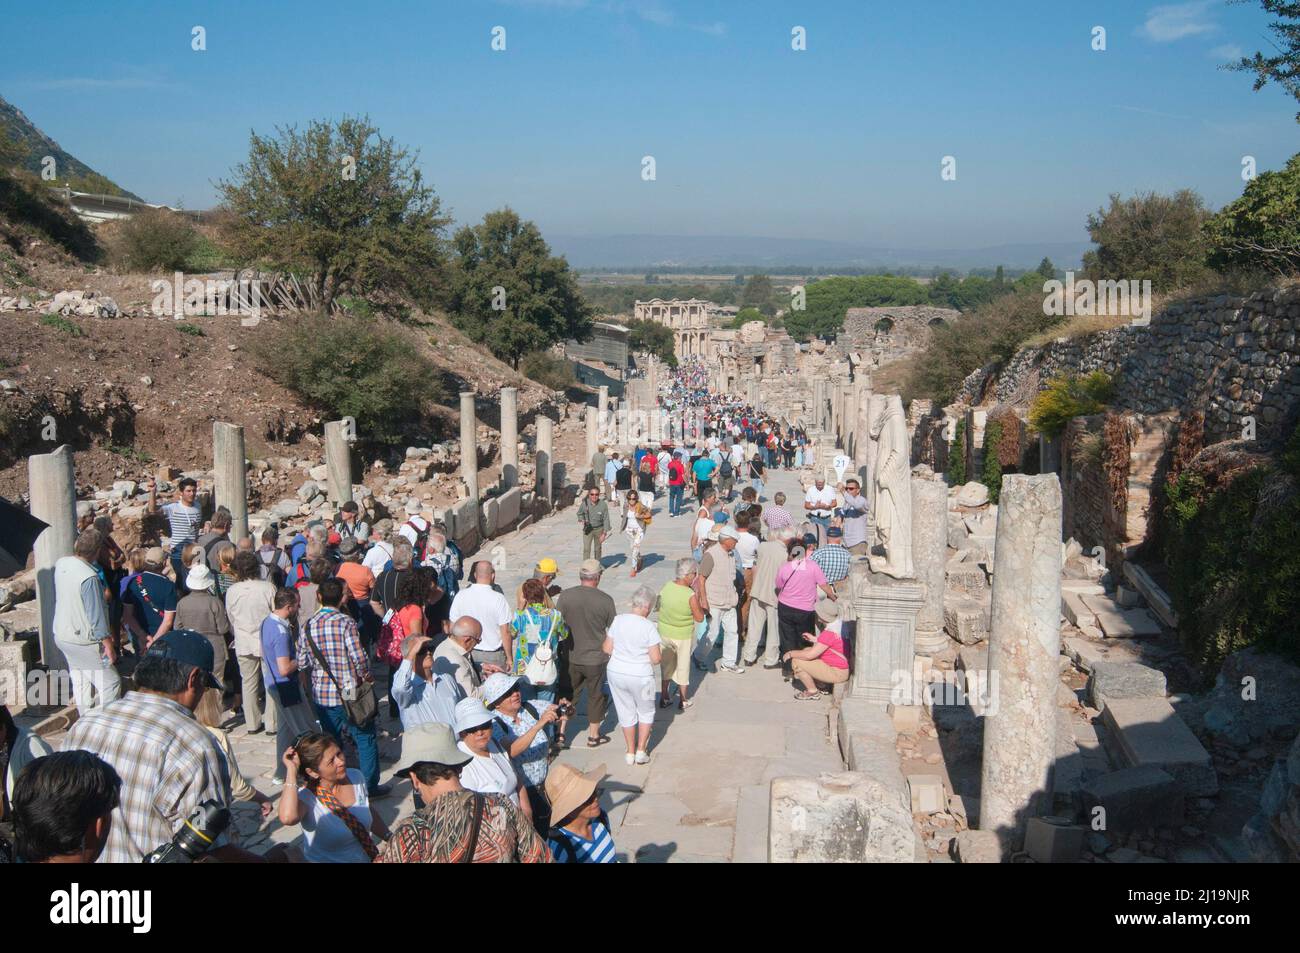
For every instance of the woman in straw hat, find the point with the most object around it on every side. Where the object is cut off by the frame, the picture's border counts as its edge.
(824, 659)
(581, 833)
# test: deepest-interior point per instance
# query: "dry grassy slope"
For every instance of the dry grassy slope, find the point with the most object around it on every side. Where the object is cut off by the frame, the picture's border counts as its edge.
(193, 381)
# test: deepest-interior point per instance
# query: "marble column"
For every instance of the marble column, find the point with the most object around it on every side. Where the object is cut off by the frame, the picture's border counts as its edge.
(468, 443)
(338, 461)
(850, 417)
(593, 436)
(602, 399)
(509, 437)
(1024, 663)
(230, 475)
(929, 555)
(52, 488)
(545, 459)
(862, 419)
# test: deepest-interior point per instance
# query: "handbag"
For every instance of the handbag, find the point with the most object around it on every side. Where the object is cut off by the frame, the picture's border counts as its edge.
(361, 710)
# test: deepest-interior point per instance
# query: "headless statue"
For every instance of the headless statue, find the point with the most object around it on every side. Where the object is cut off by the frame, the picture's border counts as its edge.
(892, 492)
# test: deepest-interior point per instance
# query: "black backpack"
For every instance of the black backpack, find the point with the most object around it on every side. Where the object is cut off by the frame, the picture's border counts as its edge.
(726, 471)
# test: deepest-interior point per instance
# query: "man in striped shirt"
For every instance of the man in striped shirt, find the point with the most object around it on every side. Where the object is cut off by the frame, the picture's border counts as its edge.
(336, 638)
(580, 832)
(183, 522)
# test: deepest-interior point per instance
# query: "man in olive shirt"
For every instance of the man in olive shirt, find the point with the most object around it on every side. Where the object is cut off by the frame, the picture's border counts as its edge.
(588, 613)
(593, 515)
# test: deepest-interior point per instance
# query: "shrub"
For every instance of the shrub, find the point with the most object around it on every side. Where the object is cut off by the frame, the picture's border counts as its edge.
(59, 323)
(1262, 227)
(1068, 396)
(347, 366)
(1149, 237)
(992, 475)
(156, 240)
(1234, 567)
(193, 330)
(548, 370)
(957, 455)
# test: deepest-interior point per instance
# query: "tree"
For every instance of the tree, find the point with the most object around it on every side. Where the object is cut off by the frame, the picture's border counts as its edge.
(1150, 236)
(507, 290)
(827, 300)
(1047, 269)
(652, 338)
(341, 203)
(1262, 227)
(758, 294)
(1282, 68)
(744, 316)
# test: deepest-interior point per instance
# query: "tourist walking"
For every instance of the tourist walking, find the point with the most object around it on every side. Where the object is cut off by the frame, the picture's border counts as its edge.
(250, 600)
(819, 504)
(636, 519)
(593, 517)
(539, 629)
(588, 614)
(680, 611)
(719, 599)
(762, 625)
(633, 649)
(676, 484)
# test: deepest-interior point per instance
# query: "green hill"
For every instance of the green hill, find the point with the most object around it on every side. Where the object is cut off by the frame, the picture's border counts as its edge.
(23, 145)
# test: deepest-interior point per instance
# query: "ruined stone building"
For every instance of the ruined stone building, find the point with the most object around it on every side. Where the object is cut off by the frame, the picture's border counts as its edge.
(689, 320)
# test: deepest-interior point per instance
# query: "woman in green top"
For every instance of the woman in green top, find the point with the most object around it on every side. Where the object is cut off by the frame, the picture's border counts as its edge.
(535, 625)
(679, 611)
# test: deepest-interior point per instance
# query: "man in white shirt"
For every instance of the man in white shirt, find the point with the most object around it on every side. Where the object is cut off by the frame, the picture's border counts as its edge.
(381, 550)
(819, 504)
(489, 608)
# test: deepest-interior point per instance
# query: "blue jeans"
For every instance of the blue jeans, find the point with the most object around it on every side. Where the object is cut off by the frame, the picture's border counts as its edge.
(675, 499)
(757, 484)
(822, 523)
(334, 719)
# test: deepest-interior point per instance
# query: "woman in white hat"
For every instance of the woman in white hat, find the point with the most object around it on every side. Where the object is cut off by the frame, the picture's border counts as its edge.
(202, 611)
(519, 729)
(824, 659)
(582, 833)
(489, 770)
(632, 645)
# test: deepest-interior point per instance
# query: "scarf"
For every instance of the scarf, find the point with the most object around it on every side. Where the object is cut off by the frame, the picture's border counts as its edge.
(362, 835)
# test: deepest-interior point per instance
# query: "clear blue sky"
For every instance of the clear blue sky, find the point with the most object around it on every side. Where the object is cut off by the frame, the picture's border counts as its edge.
(841, 141)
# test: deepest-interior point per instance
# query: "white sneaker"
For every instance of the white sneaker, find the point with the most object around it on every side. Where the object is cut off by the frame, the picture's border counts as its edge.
(731, 667)
(630, 758)
(642, 758)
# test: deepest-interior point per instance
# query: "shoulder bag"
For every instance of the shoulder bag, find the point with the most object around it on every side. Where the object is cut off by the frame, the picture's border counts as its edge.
(361, 710)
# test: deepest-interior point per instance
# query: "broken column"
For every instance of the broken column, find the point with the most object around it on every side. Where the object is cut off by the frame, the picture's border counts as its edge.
(468, 444)
(602, 399)
(52, 487)
(545, 458)
(1023, 662)
(929, 555)
(338, 460)
(593, 435)
(509, 437)
(230, 474)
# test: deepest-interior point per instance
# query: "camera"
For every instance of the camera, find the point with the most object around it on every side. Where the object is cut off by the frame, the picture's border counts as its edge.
(195, 837)
(564, 711)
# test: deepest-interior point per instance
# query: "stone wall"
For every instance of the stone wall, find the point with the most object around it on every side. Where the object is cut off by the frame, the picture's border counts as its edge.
(1232, 357)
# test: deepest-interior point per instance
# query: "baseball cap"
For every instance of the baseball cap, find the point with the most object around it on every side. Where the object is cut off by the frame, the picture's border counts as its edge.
(188, 647)
(548, 566)
(334, 538)
(834, 531)
(720, 517)
(591, 567)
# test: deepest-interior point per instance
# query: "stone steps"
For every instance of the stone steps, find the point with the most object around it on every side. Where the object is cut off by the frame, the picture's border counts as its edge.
(1147, 732)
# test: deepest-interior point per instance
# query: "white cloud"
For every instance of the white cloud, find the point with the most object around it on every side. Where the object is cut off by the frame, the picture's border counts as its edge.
(1228, 53)
(1177, 21)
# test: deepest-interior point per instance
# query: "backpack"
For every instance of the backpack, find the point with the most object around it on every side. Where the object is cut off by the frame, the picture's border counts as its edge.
(391, 637)
(421, 544)
(727, 470)
(271, 570)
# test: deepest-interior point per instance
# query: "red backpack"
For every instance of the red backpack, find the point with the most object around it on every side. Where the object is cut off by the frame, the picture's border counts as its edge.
(391, 637)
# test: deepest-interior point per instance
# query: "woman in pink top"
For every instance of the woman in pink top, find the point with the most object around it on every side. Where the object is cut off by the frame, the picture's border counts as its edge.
(797, 583)
(824, 659)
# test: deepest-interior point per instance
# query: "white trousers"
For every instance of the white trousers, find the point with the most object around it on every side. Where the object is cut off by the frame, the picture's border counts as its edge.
(634, 698)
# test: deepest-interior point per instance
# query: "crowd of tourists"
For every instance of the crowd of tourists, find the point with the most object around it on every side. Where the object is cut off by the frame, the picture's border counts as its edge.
(298, 638)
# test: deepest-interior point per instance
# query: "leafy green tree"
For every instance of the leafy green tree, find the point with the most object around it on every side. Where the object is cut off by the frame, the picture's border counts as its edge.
(652, 338)
(340, 203)
(744, 316)
(1149, 236)
(828, 299)
(507, 291)
(1047, 269)
(1262, 227)
(1283, 66)
(758, 294)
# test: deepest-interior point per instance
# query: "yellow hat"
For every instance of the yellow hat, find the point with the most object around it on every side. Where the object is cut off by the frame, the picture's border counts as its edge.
(548, 566)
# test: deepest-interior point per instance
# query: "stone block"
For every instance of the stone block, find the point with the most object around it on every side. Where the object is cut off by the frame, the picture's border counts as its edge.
(838, 818)
(927, 793)
(906, 718)
(1156, 598)
(967, 578)
(966, 619)
(319, 473)
(1075, 610)
(977, 847)
(1116, 622)
(509, 502)
(972, 658)
(1134, 799)
(15, 659)
(1147, 732)
(1083, 587)
(1112, 680)
(972, 494)
(1126, 597)
(957, 531)
(1054, 840)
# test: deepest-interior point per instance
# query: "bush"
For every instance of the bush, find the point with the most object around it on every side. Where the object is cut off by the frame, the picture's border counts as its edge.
(1262, 227)
(992, 475)
(59, 323)
(957, 455)
(1069, 396)
(346, 366)
(548, 370)
(1149, 237)
(1234, 565)
(156, 240)
(193, 330)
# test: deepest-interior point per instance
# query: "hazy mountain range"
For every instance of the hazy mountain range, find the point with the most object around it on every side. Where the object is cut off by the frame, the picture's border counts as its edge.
(593, 252)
